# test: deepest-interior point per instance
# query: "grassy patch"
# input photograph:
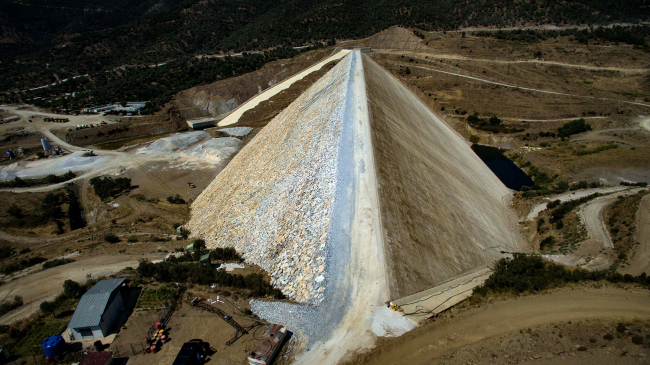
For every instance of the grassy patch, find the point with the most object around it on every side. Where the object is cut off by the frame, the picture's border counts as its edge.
(56, 262)
(531, 274)
(154, 298)
(589, 151)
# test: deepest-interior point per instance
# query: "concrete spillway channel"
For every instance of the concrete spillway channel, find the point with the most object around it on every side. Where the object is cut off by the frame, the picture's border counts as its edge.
(354, 195)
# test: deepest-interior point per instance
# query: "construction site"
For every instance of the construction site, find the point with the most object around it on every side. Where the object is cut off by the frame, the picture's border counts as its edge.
(336, 209)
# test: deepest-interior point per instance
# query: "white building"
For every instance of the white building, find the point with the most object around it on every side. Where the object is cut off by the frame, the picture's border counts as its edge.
(99, 312)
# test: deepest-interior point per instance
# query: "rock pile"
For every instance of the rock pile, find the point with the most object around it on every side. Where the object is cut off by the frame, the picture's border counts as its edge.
(273, 202)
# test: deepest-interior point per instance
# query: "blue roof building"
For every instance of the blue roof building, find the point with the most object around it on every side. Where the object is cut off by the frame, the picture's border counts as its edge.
(99, 311)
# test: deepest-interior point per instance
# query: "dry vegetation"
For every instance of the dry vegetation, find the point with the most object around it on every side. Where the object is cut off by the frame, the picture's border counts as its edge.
(621, 222)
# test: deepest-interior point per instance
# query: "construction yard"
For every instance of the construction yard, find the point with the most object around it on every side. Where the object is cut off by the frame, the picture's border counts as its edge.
(345, 181)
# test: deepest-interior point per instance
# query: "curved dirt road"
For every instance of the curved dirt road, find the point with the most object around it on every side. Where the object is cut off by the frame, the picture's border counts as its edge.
(426, 344)
(591, 214)
(568, 196)
(47, 284)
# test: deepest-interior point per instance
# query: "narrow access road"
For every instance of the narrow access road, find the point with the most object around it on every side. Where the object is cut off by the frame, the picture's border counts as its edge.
(234, 116)
(640, 261)
(428, 343)
(571, 195)
(523, 88)
(591, 214)
(533, 61)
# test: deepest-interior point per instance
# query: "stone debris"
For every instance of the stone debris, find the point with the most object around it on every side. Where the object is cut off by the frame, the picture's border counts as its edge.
(236, 131)
(273, 202)
(175, 142)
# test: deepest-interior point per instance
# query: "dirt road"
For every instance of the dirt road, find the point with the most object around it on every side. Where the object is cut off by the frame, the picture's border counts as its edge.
(426, 344)
(640, 261)
(47, 284)
(533, 61)
(523, 88)
(234, 116)
(571, 195)
(591, 214)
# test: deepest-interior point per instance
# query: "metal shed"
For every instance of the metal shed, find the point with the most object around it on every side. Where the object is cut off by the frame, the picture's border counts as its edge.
(98, 311)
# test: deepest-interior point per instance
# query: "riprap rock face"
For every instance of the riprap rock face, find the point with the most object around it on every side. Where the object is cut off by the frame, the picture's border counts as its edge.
(273, 202)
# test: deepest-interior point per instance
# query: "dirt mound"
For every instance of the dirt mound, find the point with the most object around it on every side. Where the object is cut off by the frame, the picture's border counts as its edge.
(176, 142)
(214, 150)
(221, 97)
(393, 38)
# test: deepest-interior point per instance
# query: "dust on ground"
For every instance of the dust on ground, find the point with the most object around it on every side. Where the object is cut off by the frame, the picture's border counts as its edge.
(461, 332)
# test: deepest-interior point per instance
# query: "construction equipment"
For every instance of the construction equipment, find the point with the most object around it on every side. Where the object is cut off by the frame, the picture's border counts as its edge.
(395, 307)
(199, 303)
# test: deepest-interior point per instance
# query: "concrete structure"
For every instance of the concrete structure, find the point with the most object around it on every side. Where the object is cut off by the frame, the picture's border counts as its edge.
(99, 312)
(202, 123)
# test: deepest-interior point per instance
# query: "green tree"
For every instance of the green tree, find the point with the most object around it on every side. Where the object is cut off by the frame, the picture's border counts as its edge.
(72, 289)
(15, 211)
(494, 120)
(48, 307)
(199, 246)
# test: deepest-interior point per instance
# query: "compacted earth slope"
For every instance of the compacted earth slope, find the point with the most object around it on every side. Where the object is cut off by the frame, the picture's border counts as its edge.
(442, 208)
(354, 194)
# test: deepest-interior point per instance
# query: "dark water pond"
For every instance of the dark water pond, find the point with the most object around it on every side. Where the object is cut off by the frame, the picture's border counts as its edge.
(511, 175)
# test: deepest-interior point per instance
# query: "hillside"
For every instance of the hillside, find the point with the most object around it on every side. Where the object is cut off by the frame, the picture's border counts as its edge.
(79, 37)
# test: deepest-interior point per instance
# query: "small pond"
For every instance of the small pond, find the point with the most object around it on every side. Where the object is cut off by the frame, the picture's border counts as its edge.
(511, 175)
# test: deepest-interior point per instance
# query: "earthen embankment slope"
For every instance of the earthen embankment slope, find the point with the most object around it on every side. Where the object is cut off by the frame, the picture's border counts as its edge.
(443, 212)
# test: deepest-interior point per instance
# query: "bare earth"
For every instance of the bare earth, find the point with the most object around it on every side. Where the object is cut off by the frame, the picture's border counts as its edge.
(640, 262)
(428, 343)
(47, 284)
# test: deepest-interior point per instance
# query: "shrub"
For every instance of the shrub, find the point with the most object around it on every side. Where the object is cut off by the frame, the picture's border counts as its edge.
(547, 243)
(224, 254)
(6, 307)
(106, 187)
(620, 328)
(494, 120)
(56, 262)
(15, 211)
(637, 340)
(132, 239)
(72, 289)
(553, 204)
(111, 238)
(25, 250)
(582, 348)
(6, 251)
(175, 199)
(608, 337)
(573, 127)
